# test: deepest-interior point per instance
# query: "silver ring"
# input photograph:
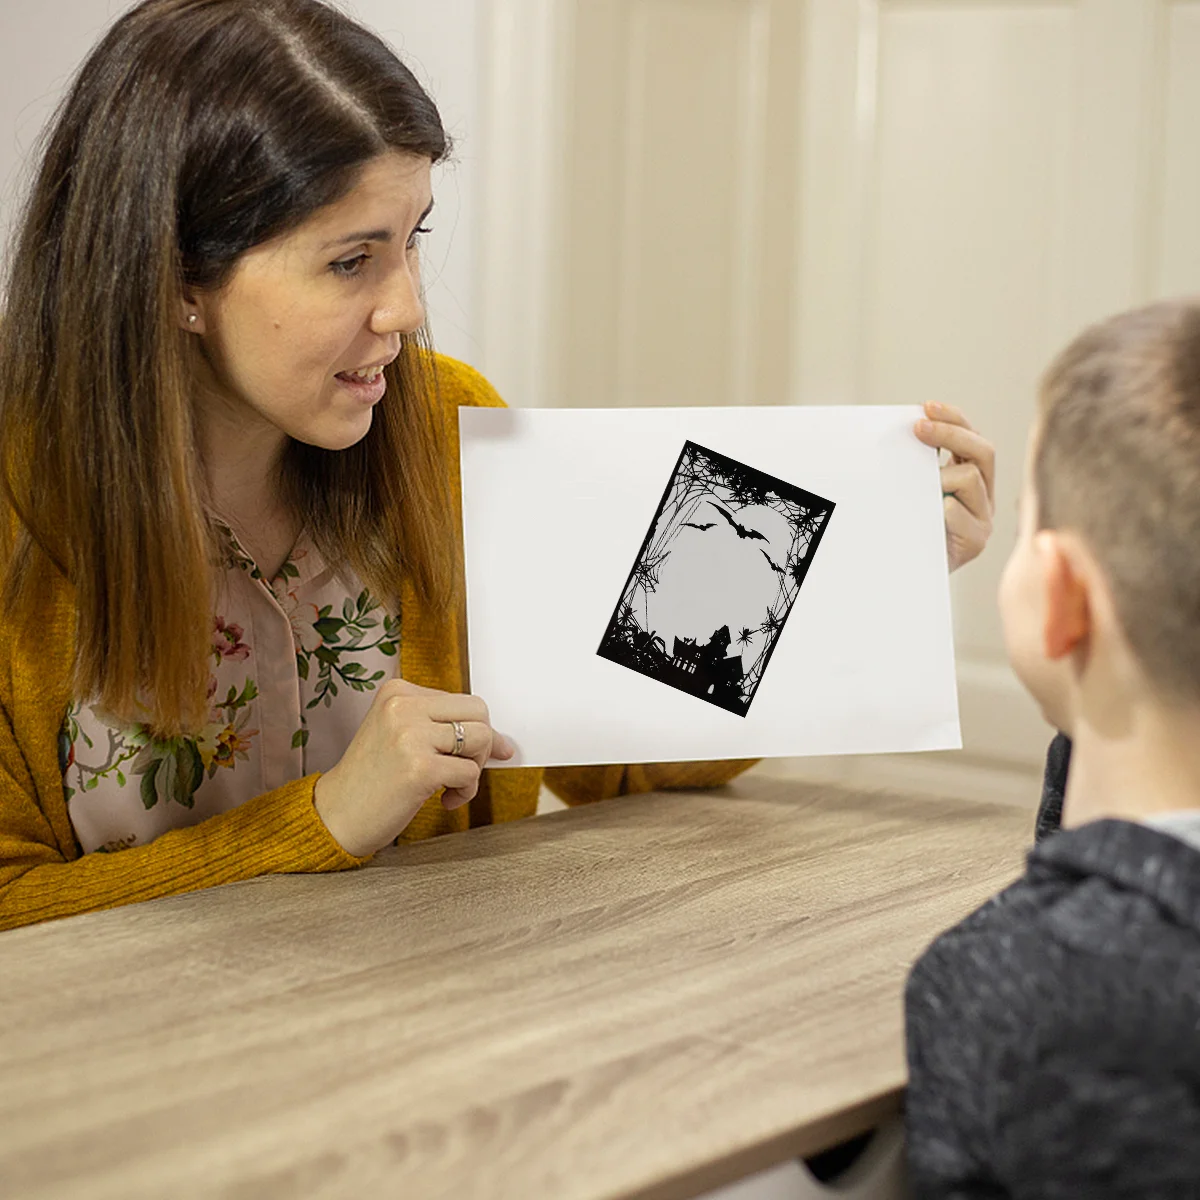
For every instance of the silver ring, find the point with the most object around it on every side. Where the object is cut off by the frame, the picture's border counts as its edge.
(460, 737)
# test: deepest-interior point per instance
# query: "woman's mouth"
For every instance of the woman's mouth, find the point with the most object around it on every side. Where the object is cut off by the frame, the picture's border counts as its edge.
(366, 386)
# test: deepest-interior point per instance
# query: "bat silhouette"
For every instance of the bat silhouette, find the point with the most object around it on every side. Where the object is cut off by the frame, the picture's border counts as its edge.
(771, 564)
(702, 528)
(741, 530)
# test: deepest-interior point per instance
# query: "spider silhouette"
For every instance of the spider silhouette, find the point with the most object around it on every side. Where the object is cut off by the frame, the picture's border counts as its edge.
(741, 530)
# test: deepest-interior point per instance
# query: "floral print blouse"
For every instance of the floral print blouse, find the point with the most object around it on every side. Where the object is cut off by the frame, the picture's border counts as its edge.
(295, 663)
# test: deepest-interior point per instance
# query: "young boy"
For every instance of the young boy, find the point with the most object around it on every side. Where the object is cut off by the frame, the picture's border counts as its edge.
(1054, 1035)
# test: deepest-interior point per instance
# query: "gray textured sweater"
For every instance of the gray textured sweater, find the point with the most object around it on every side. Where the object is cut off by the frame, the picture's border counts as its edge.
(1054, 1035)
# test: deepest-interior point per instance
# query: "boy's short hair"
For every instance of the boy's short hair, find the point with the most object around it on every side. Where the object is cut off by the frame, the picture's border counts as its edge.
(1118, 460)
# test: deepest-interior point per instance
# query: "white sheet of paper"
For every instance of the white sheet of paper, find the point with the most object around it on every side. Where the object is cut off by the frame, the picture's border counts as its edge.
(556, 506)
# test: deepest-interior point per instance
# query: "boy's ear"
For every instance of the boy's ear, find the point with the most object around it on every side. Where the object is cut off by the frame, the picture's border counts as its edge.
(1067, 617)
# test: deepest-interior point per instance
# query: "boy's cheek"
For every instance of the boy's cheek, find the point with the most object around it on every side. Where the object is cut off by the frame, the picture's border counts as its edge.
(1051, 692)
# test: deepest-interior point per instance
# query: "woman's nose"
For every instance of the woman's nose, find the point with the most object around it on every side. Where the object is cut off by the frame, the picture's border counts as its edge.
(401, 309)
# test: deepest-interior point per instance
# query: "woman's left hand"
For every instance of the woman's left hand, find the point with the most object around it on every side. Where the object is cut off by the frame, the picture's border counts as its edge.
(968, 480)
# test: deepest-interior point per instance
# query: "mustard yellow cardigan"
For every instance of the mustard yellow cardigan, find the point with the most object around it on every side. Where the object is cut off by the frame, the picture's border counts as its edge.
(42, 872)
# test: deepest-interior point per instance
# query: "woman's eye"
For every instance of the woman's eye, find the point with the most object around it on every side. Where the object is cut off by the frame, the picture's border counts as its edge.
(420, 229)
(350, 266)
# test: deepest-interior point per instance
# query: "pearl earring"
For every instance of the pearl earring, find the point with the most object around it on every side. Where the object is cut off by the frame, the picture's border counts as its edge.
(192, 318)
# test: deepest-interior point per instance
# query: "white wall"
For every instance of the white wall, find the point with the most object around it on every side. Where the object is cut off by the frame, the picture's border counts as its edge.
(439, 41)
(41, 44)
(40, 47)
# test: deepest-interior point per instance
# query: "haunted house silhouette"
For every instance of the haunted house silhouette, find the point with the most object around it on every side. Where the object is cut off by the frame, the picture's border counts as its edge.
(707, 671)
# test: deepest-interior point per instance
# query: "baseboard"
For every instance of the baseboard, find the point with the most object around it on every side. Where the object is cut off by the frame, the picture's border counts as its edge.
(1000, 722)
(947, 774)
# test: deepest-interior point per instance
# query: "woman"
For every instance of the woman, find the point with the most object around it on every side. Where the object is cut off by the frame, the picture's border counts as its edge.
(230, 470)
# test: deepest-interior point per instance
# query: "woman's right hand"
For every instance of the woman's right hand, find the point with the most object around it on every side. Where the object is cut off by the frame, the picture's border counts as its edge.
(400, 756)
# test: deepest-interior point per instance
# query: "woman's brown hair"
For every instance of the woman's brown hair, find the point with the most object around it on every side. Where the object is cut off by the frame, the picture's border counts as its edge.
(195, 130)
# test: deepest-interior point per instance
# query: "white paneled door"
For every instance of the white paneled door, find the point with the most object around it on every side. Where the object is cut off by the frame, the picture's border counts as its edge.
(842, 201)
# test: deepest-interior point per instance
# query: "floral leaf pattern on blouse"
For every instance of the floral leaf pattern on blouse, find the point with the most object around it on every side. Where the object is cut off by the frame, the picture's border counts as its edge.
(72, 738)
(171, 769)
(331, 642)
(294, 663)
(235, 556)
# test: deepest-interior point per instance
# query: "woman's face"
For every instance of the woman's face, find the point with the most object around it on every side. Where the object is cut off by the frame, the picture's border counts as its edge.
(300, 314)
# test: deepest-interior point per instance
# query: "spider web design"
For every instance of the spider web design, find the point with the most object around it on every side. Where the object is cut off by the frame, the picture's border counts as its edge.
(708, 490)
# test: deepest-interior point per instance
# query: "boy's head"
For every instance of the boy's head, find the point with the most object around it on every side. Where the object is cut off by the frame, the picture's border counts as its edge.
(1101, 596)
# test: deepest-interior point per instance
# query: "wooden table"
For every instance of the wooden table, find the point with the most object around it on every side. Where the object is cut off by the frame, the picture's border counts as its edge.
(646, 997)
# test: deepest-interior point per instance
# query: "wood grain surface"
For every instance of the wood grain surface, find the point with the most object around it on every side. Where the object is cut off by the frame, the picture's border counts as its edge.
(646, 997)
